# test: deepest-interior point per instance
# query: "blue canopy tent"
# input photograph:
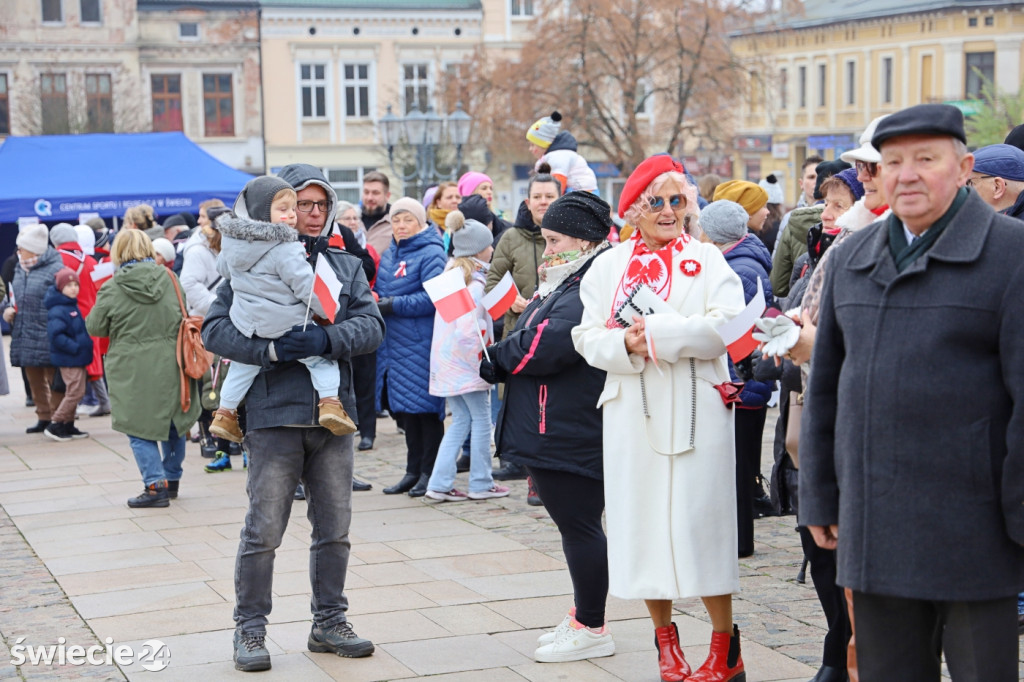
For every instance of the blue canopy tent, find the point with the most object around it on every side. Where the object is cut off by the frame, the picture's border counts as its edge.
(57, 177)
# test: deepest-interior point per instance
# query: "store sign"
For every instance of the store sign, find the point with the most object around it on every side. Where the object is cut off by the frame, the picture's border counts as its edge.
(968, 107)
(831, 142)
(752, 143)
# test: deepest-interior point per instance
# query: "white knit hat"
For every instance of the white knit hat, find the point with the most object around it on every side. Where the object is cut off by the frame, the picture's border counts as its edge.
(33, 238)
(771, 185)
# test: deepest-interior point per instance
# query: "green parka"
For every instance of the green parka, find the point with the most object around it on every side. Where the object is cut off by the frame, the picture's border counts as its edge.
(792, 245)
(139, 311)
(521, 251)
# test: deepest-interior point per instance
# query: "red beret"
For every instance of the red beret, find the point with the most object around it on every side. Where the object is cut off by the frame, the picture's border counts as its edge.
(643, 176)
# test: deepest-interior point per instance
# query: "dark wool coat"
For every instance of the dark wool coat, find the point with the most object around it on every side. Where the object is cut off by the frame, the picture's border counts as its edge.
(29, 345)
(403, 359)
(70, 345)
(913, 425)
(549, 417)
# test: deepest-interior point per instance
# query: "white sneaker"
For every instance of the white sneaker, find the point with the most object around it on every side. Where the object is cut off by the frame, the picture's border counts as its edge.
(493, 491)
(452, 495)
(576, 645)
(549, 637)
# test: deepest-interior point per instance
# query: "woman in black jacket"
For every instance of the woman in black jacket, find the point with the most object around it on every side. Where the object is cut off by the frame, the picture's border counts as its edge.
(549, 421)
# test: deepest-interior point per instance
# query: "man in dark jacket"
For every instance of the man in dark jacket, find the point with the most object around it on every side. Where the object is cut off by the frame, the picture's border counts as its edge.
(998, 178)
(286, 445)
(912, 448)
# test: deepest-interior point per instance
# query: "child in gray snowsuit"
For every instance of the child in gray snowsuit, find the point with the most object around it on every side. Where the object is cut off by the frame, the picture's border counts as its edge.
(271, 281)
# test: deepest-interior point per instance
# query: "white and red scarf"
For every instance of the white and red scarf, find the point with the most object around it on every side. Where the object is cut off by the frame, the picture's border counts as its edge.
(653, 268)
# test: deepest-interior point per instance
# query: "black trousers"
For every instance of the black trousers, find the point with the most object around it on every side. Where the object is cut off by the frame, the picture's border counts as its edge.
(423, 434)
(575, 504)
(902, 639)
(749, 427)
(831, 597)
(364, 380)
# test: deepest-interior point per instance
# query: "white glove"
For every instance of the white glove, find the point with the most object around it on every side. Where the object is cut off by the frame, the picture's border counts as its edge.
(778, 334)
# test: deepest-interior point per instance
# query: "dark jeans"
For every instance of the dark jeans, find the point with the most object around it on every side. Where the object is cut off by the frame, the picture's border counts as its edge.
(278, 458)
(831, 597)
(903, 639)
(423, 434)
(749, 428)
(575, 504)
(364, 380)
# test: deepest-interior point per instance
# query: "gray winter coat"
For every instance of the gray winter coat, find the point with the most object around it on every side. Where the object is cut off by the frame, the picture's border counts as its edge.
(30, 346)
(913, 427)
(269, 275)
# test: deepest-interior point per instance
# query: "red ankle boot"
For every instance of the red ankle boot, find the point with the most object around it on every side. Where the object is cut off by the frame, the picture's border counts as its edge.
(674, 667)
(724, 662)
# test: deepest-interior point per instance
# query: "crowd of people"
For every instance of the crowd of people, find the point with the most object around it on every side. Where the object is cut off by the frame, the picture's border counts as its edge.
(605, 382)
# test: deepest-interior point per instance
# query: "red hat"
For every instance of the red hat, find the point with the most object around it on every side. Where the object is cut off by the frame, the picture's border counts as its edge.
(643, 176)
(63, 276)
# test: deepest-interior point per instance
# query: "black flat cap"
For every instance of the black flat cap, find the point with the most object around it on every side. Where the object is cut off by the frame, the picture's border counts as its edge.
(825, 170)
(923, 119)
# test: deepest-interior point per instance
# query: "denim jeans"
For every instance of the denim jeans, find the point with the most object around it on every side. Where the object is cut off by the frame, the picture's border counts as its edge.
(152, 466)
(471, 415)
(278, 458)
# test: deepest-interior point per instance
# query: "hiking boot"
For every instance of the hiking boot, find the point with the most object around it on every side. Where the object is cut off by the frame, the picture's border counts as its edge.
(334, 418)
(251, 654)
(39, 427)
(452, 495)
(532, 498)
(575, 643)
(338, 639)
(73, 431)
(57, 431)
(222, 463)
(493, 491)
(225, 425)
(172, 489)
(154, 495)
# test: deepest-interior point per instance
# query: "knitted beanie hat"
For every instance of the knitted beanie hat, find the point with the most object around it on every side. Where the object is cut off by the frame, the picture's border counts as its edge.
(259, 194)
(62, 233)
(724, 221)
(469, 237)
(579, 214)
(471, 180)
(543, 132)
(409, 205)
(65, 275)
(86, 239)
(771, 185)
(849, 177)
(33, 238)
(165, 248)
(748, 195)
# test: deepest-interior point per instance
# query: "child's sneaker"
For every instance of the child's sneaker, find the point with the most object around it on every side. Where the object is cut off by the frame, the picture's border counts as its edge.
(222, 463)
(452, 495)
(225, 425)
(493, 491)
(73, 431)
(334, 418)
(575, 643)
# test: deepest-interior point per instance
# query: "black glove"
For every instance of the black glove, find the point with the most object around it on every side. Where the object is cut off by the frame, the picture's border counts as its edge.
(491, 373)
(386, 305)
(297, 344)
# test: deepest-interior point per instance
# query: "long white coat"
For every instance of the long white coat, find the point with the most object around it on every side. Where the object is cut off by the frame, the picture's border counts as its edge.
(669, 467)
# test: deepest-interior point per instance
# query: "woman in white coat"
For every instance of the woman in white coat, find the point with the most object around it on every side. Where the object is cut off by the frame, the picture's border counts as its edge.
(668, 437)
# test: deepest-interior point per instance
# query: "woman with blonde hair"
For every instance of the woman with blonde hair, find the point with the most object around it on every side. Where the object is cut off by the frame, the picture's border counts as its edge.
(651, 309)
(139, 310)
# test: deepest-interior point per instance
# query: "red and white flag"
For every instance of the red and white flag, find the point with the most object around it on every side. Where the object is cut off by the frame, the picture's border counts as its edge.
(499, 299)
(738, 333)
(450, 295)
(327, 287)
(101, 273)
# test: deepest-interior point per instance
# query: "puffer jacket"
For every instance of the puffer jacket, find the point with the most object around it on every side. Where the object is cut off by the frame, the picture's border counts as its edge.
(455, 349)
(520, 251)
(269, 275)
(30, 346)
(138, 309)
(749, 258)
(70, 345)
(198, 273)
(571, 169)
(403, 358)
(792, 244)
(549, 416)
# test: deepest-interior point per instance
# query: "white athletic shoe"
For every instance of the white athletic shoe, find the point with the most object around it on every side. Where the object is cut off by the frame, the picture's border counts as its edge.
(575, 645)
(549, 637)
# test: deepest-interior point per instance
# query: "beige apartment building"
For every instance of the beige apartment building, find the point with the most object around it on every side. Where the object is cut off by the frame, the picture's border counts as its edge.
(331, 69)
(824, 72)
(84, 66)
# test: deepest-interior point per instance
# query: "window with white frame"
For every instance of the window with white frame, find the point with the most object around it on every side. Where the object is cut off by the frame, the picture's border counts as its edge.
(886, 80)
(357, 90)
(521, 8)
(53, 11)
(89, 11)
(348, 182)
(188, 30)
(416, 87)
(313, 90)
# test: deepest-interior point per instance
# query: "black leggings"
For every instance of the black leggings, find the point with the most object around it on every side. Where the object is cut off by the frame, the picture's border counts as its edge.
(575, 504)
(423, 434)
(831, 597)
(749, 429)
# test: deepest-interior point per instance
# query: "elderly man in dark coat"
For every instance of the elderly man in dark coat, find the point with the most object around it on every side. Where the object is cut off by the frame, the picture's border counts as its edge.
(912, 448)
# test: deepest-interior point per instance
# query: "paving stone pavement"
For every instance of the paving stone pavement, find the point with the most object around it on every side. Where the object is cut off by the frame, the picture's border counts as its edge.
(451, 592)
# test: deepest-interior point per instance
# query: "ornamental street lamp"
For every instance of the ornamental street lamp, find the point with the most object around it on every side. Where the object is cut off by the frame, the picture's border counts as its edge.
(425, 132)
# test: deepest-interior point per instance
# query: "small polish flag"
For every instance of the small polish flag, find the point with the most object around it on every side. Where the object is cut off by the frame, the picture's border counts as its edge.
(14, 304)
(499, 299)
(326, 287)
(738, 333)
(450, 295)
(337, 241)
(102, 272)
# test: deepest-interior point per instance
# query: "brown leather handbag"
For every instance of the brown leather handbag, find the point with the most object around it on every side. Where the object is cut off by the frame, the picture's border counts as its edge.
(796, 410)
(193, 359)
